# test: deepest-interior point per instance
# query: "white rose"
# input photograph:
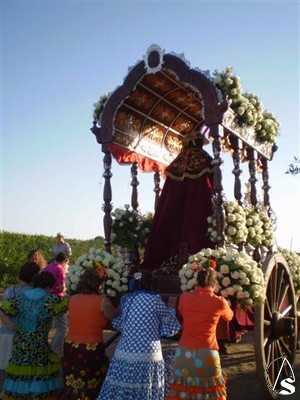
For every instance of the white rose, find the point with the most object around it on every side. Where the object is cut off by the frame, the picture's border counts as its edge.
(231, 217)
(224, 269)
(189, 273)
(226, 281)
(230, 291)
(235, 275)
(245, 281)
(191, 284)
(224, 293)
(228, 81)
(231, 230)
(207, 252)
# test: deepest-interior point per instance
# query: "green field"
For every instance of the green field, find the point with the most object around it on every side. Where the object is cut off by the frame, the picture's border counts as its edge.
(14, 248)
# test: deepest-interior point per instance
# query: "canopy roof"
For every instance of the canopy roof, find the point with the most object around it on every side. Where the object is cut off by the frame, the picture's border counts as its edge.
(161, 100)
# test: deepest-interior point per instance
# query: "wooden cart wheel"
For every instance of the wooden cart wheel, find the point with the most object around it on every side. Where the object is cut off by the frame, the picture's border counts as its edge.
(275, 327)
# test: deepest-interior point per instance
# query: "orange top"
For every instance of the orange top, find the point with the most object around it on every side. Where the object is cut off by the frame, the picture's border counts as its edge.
(201, 310)
(86, 320)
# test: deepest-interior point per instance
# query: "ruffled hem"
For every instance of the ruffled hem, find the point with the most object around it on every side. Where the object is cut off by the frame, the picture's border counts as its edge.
(109, 392)
(33, 389)
(213, 388)
(32, 371)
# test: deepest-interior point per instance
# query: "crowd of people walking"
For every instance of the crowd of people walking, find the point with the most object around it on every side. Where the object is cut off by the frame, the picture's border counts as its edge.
(74, 364)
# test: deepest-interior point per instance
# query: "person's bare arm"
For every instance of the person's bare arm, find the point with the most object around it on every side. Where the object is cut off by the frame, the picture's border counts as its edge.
(6, 320)
(107, 308)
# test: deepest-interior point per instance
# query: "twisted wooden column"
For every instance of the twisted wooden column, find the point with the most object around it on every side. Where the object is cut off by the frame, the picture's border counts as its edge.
(235, 144)
(134, 183)
(252, 179)
(156, 189)
(218, 185)
(266, 187)
(253, 192)
(236, 170)
(107, 197)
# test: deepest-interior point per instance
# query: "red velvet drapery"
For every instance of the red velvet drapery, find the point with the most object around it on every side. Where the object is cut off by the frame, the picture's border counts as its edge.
(183, 208)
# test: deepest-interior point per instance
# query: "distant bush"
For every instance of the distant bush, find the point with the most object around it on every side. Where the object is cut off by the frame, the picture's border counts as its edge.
(14, 248)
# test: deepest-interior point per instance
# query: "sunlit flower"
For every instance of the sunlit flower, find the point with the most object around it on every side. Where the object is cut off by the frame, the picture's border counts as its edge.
(110, 268)
(238, 275)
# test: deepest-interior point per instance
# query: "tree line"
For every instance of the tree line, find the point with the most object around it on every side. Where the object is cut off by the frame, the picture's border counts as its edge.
(16, 246)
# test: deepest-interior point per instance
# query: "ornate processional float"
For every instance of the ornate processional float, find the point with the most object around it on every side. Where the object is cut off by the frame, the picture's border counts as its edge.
(149, 123)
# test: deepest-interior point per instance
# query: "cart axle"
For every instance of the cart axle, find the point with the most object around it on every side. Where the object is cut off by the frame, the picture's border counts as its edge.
(282, 326)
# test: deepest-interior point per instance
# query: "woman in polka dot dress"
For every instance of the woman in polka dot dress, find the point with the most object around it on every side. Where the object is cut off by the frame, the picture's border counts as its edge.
(197, 370)
(137, 369)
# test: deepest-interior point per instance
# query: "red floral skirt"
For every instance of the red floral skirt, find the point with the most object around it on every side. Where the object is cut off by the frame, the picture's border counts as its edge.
(84, 369)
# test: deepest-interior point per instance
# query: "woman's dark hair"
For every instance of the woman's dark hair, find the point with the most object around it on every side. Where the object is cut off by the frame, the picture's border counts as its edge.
(89, 282)
(43, 280)
(27, 271)
(61, 257)
(142, 280)
(206, 277)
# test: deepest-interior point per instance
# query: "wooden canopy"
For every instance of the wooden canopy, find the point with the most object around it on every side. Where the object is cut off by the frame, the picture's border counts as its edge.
(161, 100)
(145, 120)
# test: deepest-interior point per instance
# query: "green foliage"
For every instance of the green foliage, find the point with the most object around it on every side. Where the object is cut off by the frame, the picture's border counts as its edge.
(14, 248)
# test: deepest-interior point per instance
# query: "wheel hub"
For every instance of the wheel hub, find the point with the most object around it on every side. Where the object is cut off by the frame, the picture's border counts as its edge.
(282, 326)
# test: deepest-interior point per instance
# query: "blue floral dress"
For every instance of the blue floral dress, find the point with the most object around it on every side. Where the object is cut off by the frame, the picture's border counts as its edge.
(137, 369)
(33, 372)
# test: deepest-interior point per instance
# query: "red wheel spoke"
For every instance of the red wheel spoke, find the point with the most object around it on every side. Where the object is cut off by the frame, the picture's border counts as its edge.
(280, 354)
(274, 286)
(272, 343)
(270, 298)
(285, 347)
(268, 352)
(279, 287)
(282, 297)
(267, 308)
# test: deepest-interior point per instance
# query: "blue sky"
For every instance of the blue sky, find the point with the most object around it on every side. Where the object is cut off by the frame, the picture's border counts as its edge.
(58, 57)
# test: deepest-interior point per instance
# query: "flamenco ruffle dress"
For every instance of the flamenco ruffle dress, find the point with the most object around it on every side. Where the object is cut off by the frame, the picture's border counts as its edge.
(33, 372)
(197, 372)
(84, 362)
(137, 369)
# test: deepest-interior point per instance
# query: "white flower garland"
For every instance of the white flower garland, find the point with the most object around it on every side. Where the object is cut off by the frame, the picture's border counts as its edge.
(99, 107)
(293, 260)
(130, 228)
(238, 275)
(247, 106)
(260, 227)
(235, 224)
(111, 268)
(268, 237)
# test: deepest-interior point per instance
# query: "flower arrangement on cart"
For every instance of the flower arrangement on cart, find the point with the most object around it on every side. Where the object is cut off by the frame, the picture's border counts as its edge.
(109, 267)
(239, 277)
